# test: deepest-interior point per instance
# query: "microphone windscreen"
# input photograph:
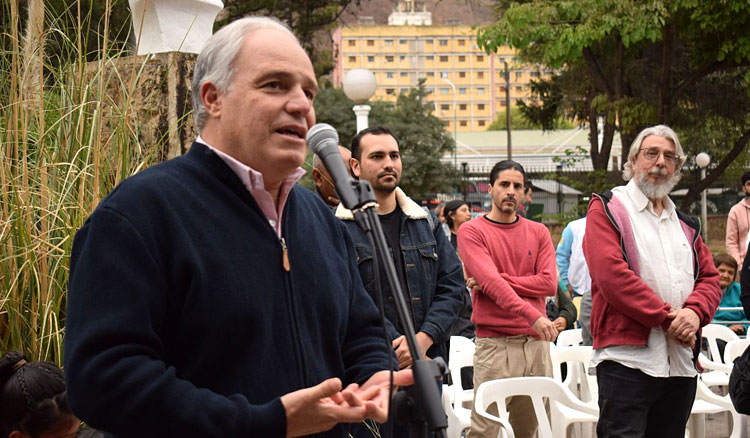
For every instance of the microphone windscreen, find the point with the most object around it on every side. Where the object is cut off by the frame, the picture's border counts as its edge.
(319, 135)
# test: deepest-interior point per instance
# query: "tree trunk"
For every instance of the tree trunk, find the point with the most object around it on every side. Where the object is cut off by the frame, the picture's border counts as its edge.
(692, 194)
(663, 98)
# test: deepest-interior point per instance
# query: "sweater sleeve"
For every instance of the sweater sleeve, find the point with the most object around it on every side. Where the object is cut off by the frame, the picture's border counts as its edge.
(567, 308)
(562, 254)
(116, 379)
(706, 292)
(732, 239)
(544, 282)
(612, 277)
(479, 264)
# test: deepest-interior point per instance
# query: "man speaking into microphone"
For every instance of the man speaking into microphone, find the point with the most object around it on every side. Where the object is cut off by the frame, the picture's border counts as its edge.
(211, 297)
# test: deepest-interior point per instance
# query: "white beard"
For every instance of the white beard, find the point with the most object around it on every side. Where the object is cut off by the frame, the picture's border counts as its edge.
(656, 191)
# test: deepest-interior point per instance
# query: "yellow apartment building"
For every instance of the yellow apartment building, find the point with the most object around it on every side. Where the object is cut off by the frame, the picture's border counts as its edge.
(468, 86)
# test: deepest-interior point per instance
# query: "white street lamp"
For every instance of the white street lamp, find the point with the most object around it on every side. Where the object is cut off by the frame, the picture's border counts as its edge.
(702, 160)
(455, 122)
(359, 86)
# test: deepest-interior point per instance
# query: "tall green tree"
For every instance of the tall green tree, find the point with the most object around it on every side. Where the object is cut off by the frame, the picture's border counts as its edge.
(422, 136)
(638, 63)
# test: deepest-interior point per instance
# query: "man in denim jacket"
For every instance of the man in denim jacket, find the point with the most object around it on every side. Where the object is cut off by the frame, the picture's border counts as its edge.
(428, 269)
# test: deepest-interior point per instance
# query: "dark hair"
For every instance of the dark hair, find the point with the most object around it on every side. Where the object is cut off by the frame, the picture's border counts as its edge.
(374, 130)
(745, 177)
(505, 165)
(450, 207)
(32, 396)
(725, 259)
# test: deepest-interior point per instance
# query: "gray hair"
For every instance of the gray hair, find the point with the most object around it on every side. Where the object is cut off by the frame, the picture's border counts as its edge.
(216, 61)
(660, 131)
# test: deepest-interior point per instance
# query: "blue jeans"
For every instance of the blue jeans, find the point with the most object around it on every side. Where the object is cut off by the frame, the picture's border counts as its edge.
(633, 404)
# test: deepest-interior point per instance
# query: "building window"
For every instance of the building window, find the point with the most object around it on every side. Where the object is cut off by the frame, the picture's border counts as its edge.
(443, 42)
(462, 107)
(430, 74)
(445, 90)
(430, 58)
(402, 41)
(403, 74)
(480, 90)
(404, 91)
(370, 43)
(480, 107)
(501, 89)
(445, 107)
(388, 42)
(461, 58)
(428, 41)
(352, 59)
(534, 74)
(519, 75)
(462, 90)
(462, 74)
(480, 75)
(402, 57)
(462, 123)
(352, 43)
(461, 42)
(444, 74)
(389, 59)
(447, 123)
(502, 103)
(370, 59)
(390, 91)
(443, 59)
(480, 58)
(519, 89)
(481, 123)
(389, 75)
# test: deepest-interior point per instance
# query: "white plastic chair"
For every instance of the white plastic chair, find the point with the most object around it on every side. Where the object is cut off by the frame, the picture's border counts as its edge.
(580, 384)
(570, 337)
(455, 424)
(734, 349)
(537, 388)
(707, 402)
(718, 371)
(461, 355)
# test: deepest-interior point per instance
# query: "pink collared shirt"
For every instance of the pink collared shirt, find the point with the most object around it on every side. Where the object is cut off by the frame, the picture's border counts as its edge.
(253, 182)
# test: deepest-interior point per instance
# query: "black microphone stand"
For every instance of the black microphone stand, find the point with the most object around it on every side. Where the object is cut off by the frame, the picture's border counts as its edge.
(419, 405)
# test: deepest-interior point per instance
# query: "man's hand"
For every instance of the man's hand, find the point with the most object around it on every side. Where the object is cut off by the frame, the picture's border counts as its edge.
(374, 394)
(738, 328)
(424, 341)
(560, 323)
(319, 408)
(403, 354)
(545, 328)
(683, 327)
(473, 285)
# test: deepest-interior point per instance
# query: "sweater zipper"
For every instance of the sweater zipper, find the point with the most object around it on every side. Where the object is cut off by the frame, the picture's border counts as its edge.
(285, 256)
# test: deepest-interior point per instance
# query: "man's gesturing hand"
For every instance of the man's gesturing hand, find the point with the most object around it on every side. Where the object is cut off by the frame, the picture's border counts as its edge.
(319, 408)
(685, 324)
(545, 328)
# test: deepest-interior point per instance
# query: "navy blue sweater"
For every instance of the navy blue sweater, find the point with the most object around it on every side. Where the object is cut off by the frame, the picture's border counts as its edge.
(182, 321)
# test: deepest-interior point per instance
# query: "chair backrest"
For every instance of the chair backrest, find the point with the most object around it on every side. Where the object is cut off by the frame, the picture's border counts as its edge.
(537, 389)
(712, 332)
(577, 359)
(569, 337)
(734, 349)
(461, 355)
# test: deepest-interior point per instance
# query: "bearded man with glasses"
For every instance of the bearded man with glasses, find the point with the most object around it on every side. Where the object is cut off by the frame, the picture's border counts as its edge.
(653, 285)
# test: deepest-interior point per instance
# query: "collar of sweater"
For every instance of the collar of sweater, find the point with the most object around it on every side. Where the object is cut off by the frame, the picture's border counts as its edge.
(411, 209)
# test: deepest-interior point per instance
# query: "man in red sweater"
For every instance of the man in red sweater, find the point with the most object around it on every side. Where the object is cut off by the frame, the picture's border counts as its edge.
(653, 285)
(513, 262)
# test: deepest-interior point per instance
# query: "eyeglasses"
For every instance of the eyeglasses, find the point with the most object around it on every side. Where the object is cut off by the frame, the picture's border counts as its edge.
(652, 154)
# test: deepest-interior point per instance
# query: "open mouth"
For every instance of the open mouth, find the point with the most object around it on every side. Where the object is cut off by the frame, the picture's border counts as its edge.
(291, 132)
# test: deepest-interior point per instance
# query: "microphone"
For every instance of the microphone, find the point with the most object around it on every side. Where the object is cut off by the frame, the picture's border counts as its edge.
(324, 142)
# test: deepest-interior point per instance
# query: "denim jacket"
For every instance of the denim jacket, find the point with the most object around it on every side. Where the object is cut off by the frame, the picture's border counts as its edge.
(434, 275)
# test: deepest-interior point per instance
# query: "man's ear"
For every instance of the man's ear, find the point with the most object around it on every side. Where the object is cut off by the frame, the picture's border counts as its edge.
(211, 98)
(317, 177)
(17, 434)
(354, 164)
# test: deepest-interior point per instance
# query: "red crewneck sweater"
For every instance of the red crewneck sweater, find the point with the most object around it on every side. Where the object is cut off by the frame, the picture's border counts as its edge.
(515, 266)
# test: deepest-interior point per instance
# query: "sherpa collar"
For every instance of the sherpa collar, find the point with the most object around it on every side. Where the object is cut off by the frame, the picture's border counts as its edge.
(411, 209)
